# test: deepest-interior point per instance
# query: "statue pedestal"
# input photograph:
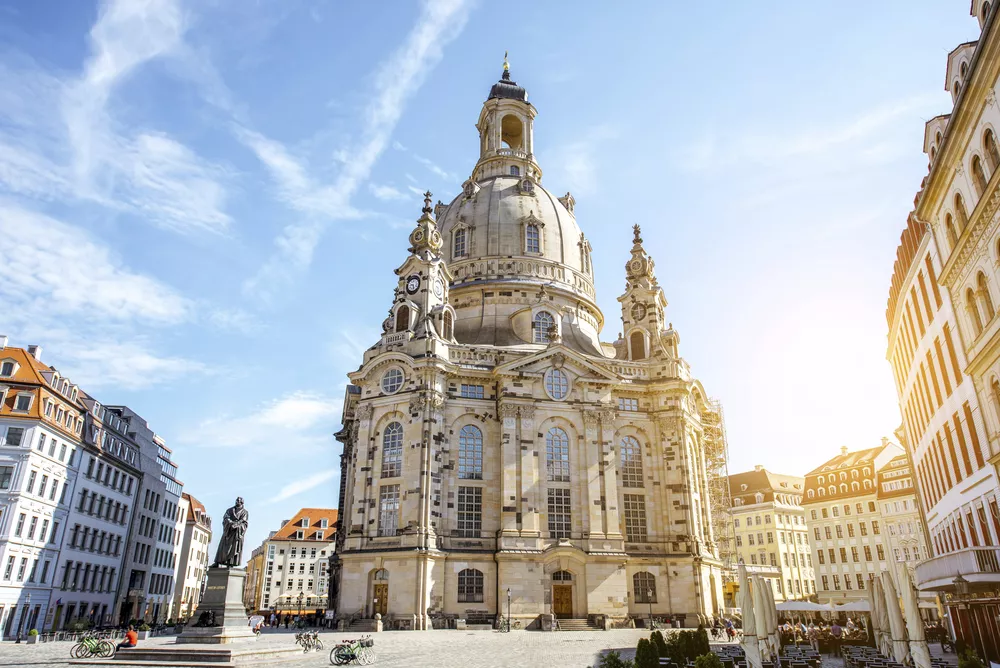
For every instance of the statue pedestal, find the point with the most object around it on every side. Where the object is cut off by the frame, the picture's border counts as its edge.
(221, 617)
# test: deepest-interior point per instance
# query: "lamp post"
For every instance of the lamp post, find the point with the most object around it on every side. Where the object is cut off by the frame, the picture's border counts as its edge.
(20, 622)
(508, 608)
(300, 607)
(649, 599)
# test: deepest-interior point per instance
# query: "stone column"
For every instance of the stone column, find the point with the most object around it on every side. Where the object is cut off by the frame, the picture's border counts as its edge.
(361, 490)
(528, 498)
(609, 452)
(595, 500)
(508, 488)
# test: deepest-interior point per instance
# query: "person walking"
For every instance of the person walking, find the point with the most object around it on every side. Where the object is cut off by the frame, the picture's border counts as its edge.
(813, 636)
(836, 633)
(288, 618)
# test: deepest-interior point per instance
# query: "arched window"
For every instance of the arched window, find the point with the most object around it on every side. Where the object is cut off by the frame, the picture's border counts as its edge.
(854, 474)
(448, 325)
(402, 318)
(960, 213)
(638, 345)
(470, 453)
(459, 248)
(991, 150)
(937, 138)
(470, 586)
(381, 574)
(631, 462)
(995, 388)
(984, 297)
(644, 587)
(557, 455)
(956, 89)
(810, 494)
(963, 69)
(562, 576)
(985, 11)
(557, 384)
(949, 226)
(868, 484)
(392, 451)
(854, 488)
(515, 170)
(867, 471)
(532, 242)
(821, 491)
(832, 490)
(821, 480)
(843, 476)
(542, 326)
(973, 311)
(979, 175)
(933, 153)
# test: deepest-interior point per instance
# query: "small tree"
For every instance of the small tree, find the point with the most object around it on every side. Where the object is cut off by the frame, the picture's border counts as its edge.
(614, 660)
(701, 642)
(661, 645)
(967, 659)
(709, 660)
(646, 655)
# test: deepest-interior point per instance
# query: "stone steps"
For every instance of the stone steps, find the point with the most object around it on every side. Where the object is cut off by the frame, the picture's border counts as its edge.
(576, 625)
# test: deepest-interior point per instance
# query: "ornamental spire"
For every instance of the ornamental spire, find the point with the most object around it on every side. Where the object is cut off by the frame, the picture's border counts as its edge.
(425, 238)
(640, 265)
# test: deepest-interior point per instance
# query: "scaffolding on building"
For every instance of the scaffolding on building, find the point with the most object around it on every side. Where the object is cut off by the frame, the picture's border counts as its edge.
(717, 465)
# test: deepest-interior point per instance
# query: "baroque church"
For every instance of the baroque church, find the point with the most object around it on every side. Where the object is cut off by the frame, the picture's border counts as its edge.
(498, 457)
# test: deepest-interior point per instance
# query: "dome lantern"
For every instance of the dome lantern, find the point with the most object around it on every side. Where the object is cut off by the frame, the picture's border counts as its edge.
(506, 133)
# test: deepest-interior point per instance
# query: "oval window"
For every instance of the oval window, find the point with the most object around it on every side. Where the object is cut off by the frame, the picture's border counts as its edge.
(557, 383)
(392, 381)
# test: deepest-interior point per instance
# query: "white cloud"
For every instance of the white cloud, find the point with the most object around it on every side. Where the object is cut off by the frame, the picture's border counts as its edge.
(577, 161)
(434, 168)
(299, 419)
(301, 485)
(386, 193)
(122, 365)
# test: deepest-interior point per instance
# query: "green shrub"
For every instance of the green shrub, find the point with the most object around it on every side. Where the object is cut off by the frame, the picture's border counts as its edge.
(33, 632)
(701, 644)
(969, 659)
(709, 660)
(646, 655)
(661, 645)
(143, 627)
(614, 660)
(79, 624)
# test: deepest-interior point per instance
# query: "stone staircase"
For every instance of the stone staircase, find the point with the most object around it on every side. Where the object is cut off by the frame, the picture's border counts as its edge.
(576, 625)
(362, 626)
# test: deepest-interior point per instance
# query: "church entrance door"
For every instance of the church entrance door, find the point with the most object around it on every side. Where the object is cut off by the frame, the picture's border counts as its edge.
(380, 599)
(562, 601)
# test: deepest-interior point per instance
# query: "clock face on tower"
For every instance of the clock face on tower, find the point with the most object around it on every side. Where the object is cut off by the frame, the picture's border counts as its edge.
(412, 284)
(438, 288)
(638, 311)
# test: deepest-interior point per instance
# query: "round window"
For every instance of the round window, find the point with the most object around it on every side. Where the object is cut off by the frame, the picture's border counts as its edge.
(392, 381)
(557, 383)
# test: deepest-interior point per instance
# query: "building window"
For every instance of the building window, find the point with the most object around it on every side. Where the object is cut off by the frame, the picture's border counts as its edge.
(532, 243)
(472, 392)
(984, 298)
(388, 510)
(875, 528)
(880, 550)
(470, 586)
(392, 381)
(14, 436)
(559, 513)
(628, 404)
(542, 326)
(470, 511)
(635, 518)
(557, 455)
(644, 587)
(470, 453)
(631, 462)
(7, 369)
(392, 451)
(557, 384)
(459, 246)
(23, 402)
(515, 170)
(979, 175)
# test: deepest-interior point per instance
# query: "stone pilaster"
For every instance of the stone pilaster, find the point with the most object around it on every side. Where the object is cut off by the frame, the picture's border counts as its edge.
(612, 514)
(509, 458)
(529, 487)
(595, 500)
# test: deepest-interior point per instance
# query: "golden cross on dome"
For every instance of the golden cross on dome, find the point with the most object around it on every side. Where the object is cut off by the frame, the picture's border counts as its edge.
(506, 65)
(635, 234)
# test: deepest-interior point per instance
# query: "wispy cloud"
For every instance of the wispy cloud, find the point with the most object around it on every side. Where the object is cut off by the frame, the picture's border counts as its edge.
(301, 485)
(386, 192)
(440, 21)
(578, 161)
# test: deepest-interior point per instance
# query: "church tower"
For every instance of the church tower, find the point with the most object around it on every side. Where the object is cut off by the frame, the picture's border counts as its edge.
(643, 304)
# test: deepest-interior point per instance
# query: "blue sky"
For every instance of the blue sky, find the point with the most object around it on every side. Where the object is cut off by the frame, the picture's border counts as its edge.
(201, 203)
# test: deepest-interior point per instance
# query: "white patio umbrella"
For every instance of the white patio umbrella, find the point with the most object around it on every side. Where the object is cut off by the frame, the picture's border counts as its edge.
(897, 627)
(772, 618)
(873, 627)
(884, 635)
(760, 616)
(750, 647)
(919, 651)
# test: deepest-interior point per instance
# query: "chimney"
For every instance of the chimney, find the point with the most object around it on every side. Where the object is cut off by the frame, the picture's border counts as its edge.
(3, 341)
(758, 467)
(36, 352)
(843, 451)
(885, 441)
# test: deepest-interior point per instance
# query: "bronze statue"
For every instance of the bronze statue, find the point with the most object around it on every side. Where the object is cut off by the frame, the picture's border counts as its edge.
(234, 527)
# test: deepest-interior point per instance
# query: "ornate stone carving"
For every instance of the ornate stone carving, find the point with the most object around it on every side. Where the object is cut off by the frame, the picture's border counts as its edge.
(363, 412)
(991, 97)
(607, 416)
(526, 412)
(568, 201)
(959, 169)
(591, 419)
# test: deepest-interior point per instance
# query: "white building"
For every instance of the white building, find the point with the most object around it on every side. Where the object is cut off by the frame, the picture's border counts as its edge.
(192, 564)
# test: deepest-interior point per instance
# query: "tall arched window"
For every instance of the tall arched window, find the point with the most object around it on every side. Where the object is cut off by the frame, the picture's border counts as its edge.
(532, 242)
(949, 226)
(973, 310)
(470, 586)
(402, 318)
(985, 11)
(960, 213)
(470, 453)
(448, 325)
(459, 248)
(995, 388)
(984, 297)
(979, 175)
(638, 345)
(557, 455)
(991, 150)
(392, 451)
(542, 326)
(963, 69)
(644, 587)
(631, 462)
(956, 89)
(833, 490)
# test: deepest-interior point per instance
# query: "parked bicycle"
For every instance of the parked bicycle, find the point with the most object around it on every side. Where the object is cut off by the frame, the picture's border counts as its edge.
(310, 641)
(92, 646)
(359, 650)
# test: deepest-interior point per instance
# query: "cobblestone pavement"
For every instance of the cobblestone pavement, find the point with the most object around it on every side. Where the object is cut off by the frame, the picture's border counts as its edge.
(441, 649)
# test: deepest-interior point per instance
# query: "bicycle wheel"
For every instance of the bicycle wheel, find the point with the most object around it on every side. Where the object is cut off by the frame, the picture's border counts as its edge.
(74, 651)
(318, 645)
(335, 657)
(106, 649)
(342, 655)
(369, 655)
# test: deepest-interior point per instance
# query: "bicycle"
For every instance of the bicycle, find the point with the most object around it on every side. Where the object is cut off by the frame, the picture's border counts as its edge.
(309, 641)
(92, 645)
(354, 650)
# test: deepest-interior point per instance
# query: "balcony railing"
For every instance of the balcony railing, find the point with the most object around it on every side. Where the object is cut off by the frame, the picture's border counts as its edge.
(979, 565)
(514, 152)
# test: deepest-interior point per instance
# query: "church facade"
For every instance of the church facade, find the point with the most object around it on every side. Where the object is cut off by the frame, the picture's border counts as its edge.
(498, 457)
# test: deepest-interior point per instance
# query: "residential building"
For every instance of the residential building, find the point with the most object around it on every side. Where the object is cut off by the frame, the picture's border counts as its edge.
(769, 525)
(192, 566)
(290, 567)
(844, 522)
(902, 523)
(42, 420)
(497, 443)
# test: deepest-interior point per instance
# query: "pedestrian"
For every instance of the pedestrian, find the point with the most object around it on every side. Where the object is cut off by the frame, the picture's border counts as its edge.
(836, 633)
(131, 639)
(288, 618)
(813, 636)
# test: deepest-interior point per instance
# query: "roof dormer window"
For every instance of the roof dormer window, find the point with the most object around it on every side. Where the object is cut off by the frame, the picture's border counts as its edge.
(23, 402)
(8, 368)
(304, 522)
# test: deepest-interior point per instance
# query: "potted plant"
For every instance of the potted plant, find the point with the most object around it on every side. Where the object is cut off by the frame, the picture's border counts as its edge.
(144, 631)
(32, 636)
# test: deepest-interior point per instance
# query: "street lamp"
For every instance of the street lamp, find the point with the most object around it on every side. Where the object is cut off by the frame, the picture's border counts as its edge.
(20, 623)
(508, 608)
(649, 599)
(300, 607)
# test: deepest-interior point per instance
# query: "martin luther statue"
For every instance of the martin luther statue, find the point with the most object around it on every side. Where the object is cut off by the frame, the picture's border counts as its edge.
(234, 527)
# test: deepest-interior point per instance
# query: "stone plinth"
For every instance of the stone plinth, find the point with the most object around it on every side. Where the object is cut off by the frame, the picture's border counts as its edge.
(221, 618)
